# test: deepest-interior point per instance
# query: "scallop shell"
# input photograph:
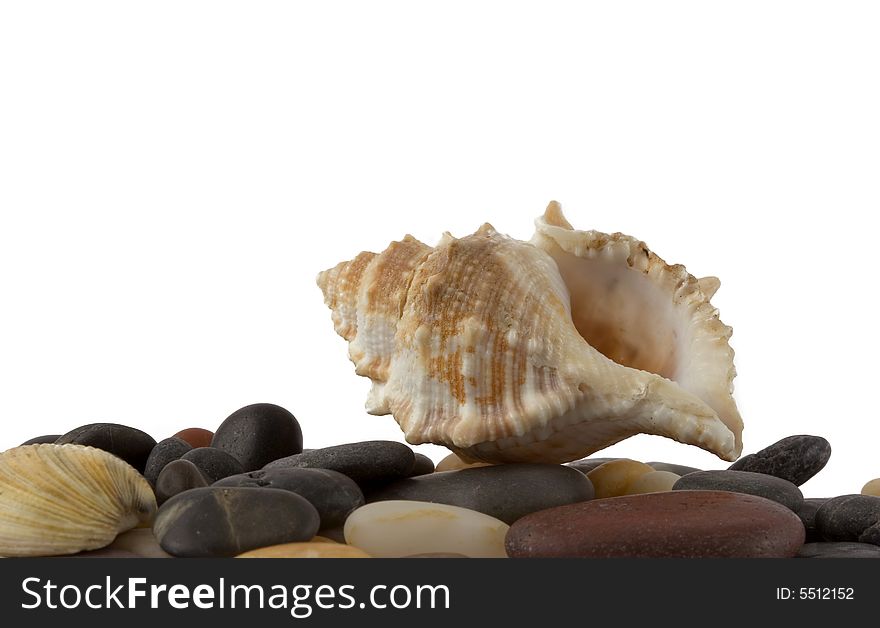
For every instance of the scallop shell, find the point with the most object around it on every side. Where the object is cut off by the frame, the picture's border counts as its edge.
(501, 352)
(63, 499)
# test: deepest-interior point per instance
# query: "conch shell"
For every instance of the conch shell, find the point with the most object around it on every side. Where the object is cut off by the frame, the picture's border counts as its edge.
(63, 499)
(509, 351)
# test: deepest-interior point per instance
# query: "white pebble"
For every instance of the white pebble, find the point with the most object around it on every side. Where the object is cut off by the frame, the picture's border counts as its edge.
(399, 528)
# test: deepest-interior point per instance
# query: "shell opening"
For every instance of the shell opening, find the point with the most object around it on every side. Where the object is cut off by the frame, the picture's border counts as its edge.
(622, 314)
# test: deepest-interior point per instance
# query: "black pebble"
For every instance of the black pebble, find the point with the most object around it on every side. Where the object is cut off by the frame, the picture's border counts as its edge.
(367, 462)
(847, 517)
(333, 494)
(178, 476)
(795, 458)
(422, 466)
(258, 434)
(165, 451)
(128, 443)
(759, 484)
(839, 550)
(807, 513)
(215, 464)
(506, 491)
(220, 522)
(334, 534)
(871, 535)
(39, 440)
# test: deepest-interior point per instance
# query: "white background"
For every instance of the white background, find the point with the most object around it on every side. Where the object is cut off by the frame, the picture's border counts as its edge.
(174, 174)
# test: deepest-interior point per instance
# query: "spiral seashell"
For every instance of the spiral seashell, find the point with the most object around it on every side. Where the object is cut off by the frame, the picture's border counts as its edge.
(510, 351)
(63, 499)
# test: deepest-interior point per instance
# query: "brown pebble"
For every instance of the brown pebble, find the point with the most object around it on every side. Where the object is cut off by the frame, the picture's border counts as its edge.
(196, 436)
(675, 524)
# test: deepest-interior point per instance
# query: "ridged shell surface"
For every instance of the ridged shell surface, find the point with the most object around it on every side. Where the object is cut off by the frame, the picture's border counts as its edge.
(507, 351)
(63, 499)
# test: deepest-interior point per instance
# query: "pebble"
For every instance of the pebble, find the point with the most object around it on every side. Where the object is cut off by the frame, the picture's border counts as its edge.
(760, 484)
(872, 488)
(176, 477)
(322, 539)
(452, 463)
(220, 522)
(588, 464)
(839, 550)
(307, 550)
(437, 555)
(847, 517)
(807, 513)
(871, 535)
(506, 492)
(613, 478)
(423, 465)
(215, 464)
(674, 524)
(128, 443)
(258, 434)
(653, 482)
(677, 469)
(366, 463)
(403, 528)
(39, 440)
(795, 458)
(165, 451)
(104, 552)
(196, 436)
(140, 542)
(334, 534)
(333, 494)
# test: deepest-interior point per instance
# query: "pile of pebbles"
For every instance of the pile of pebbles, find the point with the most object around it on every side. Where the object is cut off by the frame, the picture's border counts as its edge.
(250, 490)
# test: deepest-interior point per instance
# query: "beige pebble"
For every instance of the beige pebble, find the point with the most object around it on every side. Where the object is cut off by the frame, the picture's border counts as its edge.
(653, 482)
(306, 550)
(322, 539)
(872, 488)
(104, 552)
(612, 479)
(454, 463)
(139, 541)
(396, 528)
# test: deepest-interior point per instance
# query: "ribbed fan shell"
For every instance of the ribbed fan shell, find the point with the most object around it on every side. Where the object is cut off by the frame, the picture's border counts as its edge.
(63, 499)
